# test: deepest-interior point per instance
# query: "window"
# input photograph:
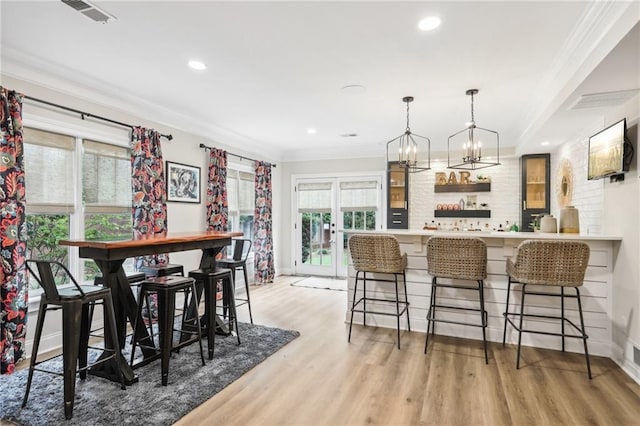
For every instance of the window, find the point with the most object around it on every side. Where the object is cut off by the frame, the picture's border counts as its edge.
(241, 199)
(75, 188)
(49, 186)
(106, 195)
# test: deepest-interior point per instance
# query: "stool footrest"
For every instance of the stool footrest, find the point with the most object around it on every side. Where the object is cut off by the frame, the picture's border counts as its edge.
(549, 333)
(405, 306)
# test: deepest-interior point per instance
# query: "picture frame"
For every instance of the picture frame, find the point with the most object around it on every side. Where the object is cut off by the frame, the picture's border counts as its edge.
(183, 183)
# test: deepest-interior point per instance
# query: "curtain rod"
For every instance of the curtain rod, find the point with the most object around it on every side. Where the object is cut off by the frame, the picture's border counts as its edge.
(242, 157)
(89, 115)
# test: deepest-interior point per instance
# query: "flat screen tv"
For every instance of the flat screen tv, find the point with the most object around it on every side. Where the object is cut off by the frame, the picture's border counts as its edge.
(607, 151)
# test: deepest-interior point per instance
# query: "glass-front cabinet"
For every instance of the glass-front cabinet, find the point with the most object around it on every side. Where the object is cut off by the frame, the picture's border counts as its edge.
(397, 197)
(535, 188)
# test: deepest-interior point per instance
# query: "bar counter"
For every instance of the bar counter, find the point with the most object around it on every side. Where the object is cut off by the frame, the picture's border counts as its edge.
(596, 291)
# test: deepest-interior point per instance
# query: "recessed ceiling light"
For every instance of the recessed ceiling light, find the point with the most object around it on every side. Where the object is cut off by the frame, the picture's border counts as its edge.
(197, 65)
(544, 143)
(429, 23)
(353, 89)
(312, 131)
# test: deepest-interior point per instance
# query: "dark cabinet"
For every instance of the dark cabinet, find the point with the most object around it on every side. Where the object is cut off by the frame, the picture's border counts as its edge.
(535, 187)
(397, 197)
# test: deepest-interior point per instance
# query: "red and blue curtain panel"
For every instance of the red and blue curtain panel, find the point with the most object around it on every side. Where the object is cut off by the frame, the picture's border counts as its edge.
(149, 190)
(262, 225)
(217, 204)
(13, 280)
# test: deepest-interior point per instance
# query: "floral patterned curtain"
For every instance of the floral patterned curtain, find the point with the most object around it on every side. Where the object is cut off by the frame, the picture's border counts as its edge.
(262, 226)
(217, 205)
(13, 282)
(149, 191)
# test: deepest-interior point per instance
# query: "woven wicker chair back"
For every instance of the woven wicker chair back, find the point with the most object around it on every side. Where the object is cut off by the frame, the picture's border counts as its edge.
(459, 258)
(546, 262)
(377, 253)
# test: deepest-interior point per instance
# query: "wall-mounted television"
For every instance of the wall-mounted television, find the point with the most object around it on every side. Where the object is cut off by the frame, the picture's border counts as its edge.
(608, 154)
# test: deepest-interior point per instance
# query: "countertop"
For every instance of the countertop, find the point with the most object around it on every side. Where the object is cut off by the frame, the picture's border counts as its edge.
(490, 234)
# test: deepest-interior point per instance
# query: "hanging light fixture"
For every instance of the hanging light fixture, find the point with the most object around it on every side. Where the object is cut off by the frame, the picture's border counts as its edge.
(413, 151)
(473, 140)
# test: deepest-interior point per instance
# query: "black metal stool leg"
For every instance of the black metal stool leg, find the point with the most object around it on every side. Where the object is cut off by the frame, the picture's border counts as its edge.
(246, 288)
(353, 303)
(520, 327)
(406, 299)
(506, 312)
(584, 334)
(429, 313)
(34, 352)
(562, 315)
(71, 319)
(395, 276)
(483, 318)
(364, 298)
(198, 325)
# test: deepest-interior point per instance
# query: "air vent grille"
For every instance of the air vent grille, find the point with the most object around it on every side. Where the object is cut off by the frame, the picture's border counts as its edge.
(604, 100)
(89, 10)
(77, 4)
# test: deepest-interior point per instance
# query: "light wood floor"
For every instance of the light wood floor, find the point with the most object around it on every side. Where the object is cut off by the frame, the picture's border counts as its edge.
(320, 379)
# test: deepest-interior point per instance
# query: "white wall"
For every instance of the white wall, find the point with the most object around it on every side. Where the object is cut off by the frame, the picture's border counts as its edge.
(620, 216)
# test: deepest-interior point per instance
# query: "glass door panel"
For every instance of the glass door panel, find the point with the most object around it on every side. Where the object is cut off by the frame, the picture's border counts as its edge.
(536, 183)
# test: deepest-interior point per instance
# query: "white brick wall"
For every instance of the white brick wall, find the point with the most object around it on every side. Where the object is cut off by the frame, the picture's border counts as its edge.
(503, 200)
(588, 195)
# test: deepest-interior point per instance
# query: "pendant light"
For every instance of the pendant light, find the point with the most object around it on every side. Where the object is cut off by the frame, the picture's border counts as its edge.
(409, 150)
(472, 141)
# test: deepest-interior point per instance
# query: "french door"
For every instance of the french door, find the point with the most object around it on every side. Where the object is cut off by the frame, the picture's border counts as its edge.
(325, 206)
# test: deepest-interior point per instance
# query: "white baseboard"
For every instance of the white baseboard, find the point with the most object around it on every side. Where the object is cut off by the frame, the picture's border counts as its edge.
(624, 358)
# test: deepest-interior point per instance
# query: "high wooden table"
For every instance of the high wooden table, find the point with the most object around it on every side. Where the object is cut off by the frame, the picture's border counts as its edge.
(110, 255)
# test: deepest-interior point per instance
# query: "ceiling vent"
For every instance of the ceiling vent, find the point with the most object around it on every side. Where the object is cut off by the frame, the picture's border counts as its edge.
(89, 10)
(604, 100)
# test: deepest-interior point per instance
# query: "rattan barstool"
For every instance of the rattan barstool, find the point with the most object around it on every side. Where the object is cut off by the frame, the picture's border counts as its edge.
(457, 259)
(548, 263)
(378, 254)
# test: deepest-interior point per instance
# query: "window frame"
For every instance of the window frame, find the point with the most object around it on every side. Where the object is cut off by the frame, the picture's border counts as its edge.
(80, 131)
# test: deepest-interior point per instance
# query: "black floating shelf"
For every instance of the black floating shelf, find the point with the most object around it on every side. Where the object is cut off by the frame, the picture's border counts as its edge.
(462, 213)
(464, 187)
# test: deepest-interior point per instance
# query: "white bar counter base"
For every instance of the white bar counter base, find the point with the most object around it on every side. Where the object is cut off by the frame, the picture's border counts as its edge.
(596, 293)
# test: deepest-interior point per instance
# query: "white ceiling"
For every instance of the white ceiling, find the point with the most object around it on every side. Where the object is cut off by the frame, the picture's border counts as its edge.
(276, 69)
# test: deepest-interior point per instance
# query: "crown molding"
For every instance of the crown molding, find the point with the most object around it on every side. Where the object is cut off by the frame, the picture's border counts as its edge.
(54, 77)
(600, 29)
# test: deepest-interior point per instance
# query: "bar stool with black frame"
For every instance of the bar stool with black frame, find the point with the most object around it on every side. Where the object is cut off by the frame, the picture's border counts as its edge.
(166, 287)
(548, 263)
(457, 259)
(378, 254)
(74, 302)
(241, 250)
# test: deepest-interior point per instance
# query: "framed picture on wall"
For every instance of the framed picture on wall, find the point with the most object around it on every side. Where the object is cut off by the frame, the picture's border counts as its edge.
(183, 183)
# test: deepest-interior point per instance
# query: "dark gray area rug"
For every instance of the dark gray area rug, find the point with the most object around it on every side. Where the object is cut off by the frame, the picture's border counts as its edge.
(101, 402)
